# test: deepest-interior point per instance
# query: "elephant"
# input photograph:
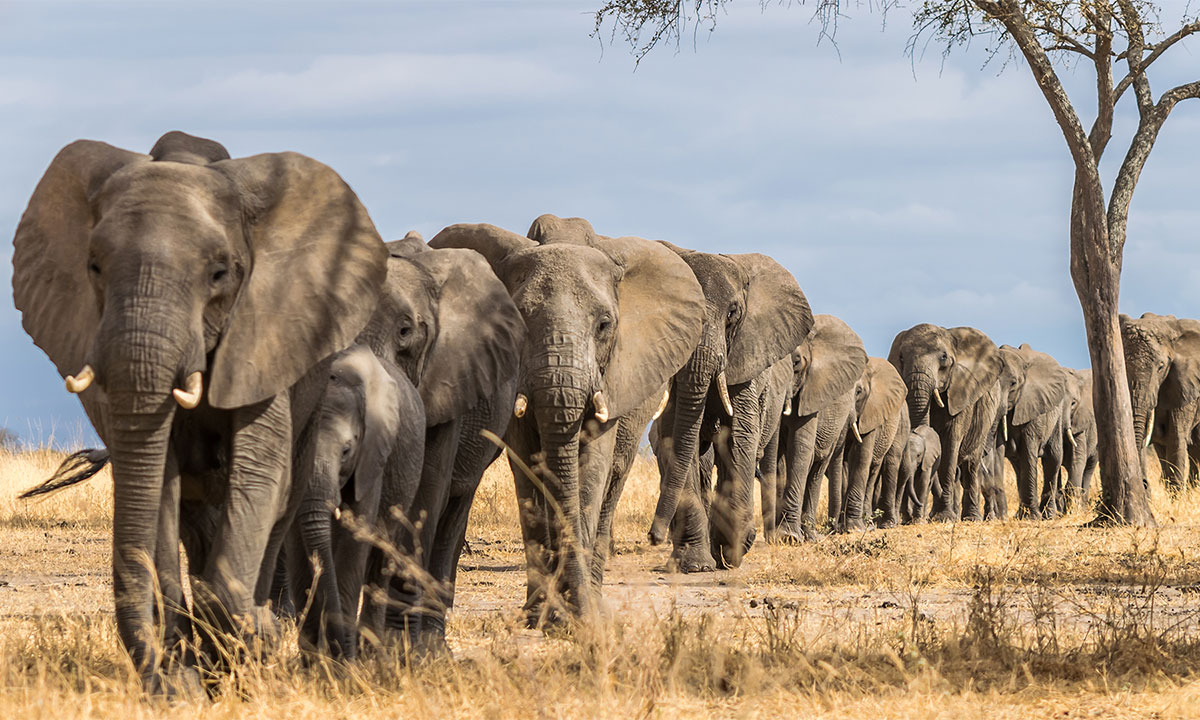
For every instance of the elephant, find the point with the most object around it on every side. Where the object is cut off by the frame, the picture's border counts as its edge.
(825, 370)
(1036, 394)
(918, 472)
(1162, 366)
(773, 403)
(192, 302)
(609, 321)
(448, 323)
(1081, 442)
(963, 365)
(755, 314)
(368, 428)
(879, 427)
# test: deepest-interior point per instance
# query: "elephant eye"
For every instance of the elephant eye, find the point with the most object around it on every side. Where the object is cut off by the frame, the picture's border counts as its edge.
(603, 325)
(405, 331)
(945, 359)
(93, 268)
(219, 273)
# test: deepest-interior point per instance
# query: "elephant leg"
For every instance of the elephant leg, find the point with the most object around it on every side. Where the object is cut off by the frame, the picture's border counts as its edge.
(858, 461)
(923, 482)
(944, 503)
(799, 499)
(260, 470)
(731, 524)
(443, 569)
(889, 476)
(691, 546)
(836, 474)
(1025, 464)
(768, 467)
(1089, 469)
(1053, 503)
(629, 434)
(1074, 459)
(171, 610)
(1178, 464)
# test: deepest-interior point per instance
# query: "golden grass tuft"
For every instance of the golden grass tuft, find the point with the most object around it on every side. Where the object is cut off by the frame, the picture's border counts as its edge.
(993, 620)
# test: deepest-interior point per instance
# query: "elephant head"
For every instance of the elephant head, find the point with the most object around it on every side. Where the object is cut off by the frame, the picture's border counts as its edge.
(178, 278)
(1162, 365)
(949, 367)
(1037, 383)
(878, 394)
(448, 322)
(826, 365)
(609, 321)
(754, 314)
(356, 426)
(1080, 415)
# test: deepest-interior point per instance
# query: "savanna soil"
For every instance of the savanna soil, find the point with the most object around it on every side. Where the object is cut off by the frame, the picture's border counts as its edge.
(998, 619)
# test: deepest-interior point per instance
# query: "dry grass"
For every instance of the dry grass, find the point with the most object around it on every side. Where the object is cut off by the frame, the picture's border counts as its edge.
(993, 620)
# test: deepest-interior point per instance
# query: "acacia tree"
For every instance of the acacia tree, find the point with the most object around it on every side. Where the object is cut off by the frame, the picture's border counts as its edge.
(1118, 40)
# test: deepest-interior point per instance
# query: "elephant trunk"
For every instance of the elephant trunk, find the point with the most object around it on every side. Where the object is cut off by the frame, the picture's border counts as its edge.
(325, 620)
(138, 365)
(692, 385)
(561, 386)
(920, 392)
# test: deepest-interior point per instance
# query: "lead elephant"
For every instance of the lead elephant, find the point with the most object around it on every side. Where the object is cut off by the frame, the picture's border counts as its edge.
(1162, 365)
(813, 430)
(609, 321)
(192, 302)
(754, 315)
(1036, 395)
(953, 379)
(448, 323)
(1081, 448)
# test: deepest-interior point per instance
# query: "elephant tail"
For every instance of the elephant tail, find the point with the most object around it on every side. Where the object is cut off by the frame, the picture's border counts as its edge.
(78, 466)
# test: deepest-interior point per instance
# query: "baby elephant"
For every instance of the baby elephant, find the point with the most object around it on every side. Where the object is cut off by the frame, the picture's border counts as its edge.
(363, 457)
(917, 473)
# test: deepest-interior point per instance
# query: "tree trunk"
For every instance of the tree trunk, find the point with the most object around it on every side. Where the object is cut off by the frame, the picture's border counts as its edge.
(1097, 275)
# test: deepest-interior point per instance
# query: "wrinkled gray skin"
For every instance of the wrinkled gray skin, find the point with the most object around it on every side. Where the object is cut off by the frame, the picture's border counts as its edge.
(1036, 395)
(771, 467)
(1080, 451)
(1162, 365)
(368, 429)
(609, 321)
(918, 470)
(150, 268)
(448, 323)
(872, 464)
(754, 315)
(825, 370)
(964, 367)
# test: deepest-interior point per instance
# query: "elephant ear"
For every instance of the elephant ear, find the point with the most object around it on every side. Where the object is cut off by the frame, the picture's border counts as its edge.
(775, 320)
(660, 315)
(976, 366)
(493, 243)
(897, 347)
(316, 268)
(357, 366)
(837, 362)
(887, 395)
(1183, 379)
(479, 334)
(553, 229)
(1044, 388)
(407, 246)
(50, 253)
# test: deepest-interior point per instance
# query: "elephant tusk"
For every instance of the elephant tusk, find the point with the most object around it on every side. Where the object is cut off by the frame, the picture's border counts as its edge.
(80, 381)
(1004, 426)
(601, 406)
(724, 392)
(1071, 437)
(937, 398)
(520, 406)
(857, 434)
(662, 405)
(1149, 428)
(787, 407)
(190, 398)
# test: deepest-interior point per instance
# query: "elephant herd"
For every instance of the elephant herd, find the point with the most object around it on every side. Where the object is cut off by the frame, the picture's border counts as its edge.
(309, 410)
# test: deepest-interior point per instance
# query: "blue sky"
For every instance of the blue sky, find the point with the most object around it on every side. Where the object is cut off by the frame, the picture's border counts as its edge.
(897, 191)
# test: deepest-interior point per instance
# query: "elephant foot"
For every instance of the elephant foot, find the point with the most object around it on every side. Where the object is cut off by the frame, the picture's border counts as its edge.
(178, 685)
(887, 522)
(945, 516)
(1027, 513)
(850, 525)
(796, 533)
(691, 559)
